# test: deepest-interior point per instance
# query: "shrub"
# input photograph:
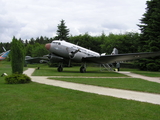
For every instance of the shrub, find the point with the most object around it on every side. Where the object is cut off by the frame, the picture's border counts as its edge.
(152, 67)
(17, 79)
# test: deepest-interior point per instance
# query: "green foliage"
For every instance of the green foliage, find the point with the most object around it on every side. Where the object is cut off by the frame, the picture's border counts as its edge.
(125, 43)
(39, 51)
(62, 31)
(153, 67)
(17, 56)
(29, 49)
(5, 45)
(17, 79)
(150, 37)
(105, 44)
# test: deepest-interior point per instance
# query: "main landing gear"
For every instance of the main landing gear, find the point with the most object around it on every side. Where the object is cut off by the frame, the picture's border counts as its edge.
(83, 68)
(60, 67)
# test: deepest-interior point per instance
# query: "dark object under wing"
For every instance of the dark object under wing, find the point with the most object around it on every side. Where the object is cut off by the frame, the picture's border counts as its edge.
(31, 60)
(119, 57)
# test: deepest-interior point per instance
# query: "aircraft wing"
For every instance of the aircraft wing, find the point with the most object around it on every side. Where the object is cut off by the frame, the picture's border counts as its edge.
(119, 57)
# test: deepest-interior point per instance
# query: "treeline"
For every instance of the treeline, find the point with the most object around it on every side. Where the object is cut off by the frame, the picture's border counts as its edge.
(125, 43)
(33, 47)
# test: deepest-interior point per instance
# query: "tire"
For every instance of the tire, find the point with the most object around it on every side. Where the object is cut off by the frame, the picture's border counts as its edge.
(60, 69)
(82, 69)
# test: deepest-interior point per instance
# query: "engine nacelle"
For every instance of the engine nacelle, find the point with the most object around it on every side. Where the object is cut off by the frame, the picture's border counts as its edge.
(54, 58)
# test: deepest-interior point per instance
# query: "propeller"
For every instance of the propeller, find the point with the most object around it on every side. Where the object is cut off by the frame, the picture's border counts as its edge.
(71, 55)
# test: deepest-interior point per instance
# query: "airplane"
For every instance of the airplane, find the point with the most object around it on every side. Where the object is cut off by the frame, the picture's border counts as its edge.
(4, 54)
(62, 51)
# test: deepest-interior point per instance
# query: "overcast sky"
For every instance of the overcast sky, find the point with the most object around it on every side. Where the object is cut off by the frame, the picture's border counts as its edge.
(34, 18)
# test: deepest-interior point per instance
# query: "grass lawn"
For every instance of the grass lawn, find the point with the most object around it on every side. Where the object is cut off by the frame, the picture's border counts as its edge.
(5, 67)
(43, 102)
(120, 83)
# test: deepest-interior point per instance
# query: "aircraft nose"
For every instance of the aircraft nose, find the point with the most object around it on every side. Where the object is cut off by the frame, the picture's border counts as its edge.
(48, 46)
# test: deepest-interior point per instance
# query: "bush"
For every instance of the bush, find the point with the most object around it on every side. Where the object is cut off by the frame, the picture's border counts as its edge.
(152, 67)
(17, 79)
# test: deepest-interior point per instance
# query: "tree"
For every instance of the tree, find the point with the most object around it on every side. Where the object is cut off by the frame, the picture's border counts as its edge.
(29, 50)
(150, 26)
(39, 50)
(17, 56)
(150, 33)
(62, 32)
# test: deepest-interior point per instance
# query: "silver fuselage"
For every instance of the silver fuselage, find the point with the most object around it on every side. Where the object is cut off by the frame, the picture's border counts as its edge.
(65, 49)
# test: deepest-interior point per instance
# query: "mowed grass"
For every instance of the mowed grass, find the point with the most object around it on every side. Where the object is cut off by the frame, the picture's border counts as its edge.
(5, 67)
(134, 84)
(43, 102)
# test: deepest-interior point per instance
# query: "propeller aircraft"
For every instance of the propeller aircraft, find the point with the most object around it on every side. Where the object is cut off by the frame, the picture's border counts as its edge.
(61, 51)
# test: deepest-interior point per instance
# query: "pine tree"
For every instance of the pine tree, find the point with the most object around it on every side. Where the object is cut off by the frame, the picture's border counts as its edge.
(62, 31)
(150, 33)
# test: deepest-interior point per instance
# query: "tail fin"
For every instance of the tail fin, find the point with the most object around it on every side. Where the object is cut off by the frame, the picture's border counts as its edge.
(115, 51)
(5, 54)
(4, 49)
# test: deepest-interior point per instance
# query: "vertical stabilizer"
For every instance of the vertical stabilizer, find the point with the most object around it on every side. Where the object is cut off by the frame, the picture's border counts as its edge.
(115, 51)
(4, 49)
(5, 54)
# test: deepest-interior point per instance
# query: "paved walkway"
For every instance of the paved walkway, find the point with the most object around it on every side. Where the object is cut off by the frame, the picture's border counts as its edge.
(125, 94)
(152, 79)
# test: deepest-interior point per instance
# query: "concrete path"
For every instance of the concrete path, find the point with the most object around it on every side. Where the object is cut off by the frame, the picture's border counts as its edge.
(152, 79)
(125, 94)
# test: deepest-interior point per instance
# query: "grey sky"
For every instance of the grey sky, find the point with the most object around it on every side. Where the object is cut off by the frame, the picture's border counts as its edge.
(34, 18)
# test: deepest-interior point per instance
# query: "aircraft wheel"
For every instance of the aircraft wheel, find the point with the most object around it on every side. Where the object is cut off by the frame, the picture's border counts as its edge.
(82, 69)
(60, 69)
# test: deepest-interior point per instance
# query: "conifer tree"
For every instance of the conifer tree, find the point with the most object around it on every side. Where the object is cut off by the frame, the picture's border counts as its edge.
(62, 32)
(17, 56)
(150, 33)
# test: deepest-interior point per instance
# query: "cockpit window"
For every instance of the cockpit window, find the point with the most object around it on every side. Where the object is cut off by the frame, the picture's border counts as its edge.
(56, 43)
